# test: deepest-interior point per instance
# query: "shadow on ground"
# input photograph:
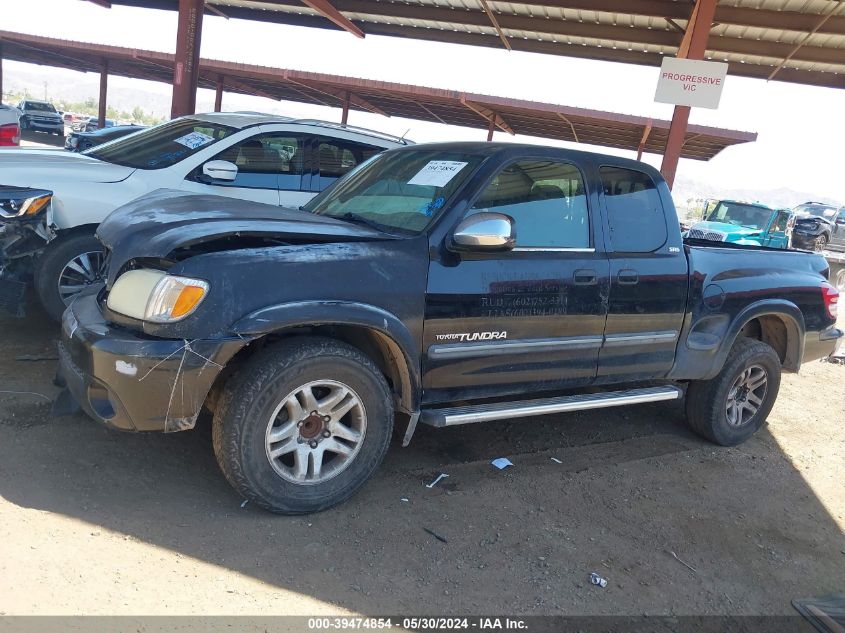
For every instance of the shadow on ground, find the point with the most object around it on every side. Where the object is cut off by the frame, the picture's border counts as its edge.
(634, 486)
(41, 138)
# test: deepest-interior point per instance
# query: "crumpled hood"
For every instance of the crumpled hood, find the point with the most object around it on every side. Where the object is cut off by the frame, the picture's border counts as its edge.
(157, 224)
(45, 167)
(811, 222)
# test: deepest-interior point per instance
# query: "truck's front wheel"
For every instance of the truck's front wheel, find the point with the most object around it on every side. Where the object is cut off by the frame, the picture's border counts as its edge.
(303, 425)
(729, 408)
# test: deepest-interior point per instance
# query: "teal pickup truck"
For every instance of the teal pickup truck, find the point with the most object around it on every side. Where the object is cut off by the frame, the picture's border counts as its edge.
(748, 223)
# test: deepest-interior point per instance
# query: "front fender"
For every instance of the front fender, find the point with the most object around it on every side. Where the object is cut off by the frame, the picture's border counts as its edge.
(707, 342)
(401, 344)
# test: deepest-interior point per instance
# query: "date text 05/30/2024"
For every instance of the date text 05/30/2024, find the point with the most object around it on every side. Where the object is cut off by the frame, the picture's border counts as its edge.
(417, 624)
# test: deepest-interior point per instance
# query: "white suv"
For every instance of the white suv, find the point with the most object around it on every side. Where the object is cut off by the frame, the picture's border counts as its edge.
(51, 201)
(41, 116)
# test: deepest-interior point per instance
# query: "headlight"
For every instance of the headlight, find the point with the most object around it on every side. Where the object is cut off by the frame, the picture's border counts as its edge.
(16, 202)
(151, 295)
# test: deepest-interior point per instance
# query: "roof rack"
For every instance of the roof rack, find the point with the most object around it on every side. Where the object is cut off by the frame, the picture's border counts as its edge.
(360, 130)
(338, 126)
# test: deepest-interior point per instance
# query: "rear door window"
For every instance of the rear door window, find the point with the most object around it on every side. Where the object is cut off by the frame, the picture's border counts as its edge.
(266, 161)
(634, 210)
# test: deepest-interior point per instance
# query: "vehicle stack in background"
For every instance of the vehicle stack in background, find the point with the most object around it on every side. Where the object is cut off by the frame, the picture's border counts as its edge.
(83, 140)
(810, 226)
(41, 116)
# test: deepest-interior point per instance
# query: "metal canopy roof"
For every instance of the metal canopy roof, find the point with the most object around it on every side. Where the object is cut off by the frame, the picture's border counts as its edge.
(800, 41)
(451, 107)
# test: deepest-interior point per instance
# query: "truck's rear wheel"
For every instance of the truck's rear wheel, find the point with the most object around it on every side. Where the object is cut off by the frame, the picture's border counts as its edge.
(729, 408)
(303, 425)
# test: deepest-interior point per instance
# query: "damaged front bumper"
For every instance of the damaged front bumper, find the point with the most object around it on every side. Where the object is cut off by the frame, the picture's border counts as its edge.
(12, 281)
(23, 237)
(133, 382)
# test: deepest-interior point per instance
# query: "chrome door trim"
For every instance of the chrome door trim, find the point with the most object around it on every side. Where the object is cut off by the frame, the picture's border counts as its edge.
(516, 346)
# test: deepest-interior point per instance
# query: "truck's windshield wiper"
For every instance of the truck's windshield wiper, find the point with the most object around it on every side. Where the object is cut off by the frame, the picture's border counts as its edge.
(354, 218)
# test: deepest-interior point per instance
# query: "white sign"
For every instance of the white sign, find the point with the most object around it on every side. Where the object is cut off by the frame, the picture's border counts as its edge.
(437, 173)
(691, 82)
(194, 140)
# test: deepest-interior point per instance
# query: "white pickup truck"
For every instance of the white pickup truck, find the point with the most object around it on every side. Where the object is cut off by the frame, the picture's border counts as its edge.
(10, 131)
(51, 201)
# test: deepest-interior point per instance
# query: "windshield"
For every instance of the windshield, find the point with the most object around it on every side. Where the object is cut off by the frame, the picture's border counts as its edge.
(40, 107)
(161, 146)
(400, 191)
(819, 210)
(740, 214)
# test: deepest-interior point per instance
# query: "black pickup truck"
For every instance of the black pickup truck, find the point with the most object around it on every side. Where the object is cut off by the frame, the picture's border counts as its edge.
(443, 284)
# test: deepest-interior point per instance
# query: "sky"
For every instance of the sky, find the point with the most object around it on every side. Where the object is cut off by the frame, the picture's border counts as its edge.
(801, 133)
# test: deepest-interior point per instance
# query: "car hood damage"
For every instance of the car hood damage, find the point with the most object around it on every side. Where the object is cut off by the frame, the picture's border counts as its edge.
(43, 167)
(174, 225)
(812, 223)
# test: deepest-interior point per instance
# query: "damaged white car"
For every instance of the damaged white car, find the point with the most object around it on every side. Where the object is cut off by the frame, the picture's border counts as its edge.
(51, 201)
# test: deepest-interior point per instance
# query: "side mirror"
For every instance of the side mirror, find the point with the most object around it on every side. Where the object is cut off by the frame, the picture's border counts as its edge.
(484, 232)
(220, 170)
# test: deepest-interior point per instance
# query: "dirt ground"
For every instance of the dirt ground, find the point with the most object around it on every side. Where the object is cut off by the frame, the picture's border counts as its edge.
(94, 521)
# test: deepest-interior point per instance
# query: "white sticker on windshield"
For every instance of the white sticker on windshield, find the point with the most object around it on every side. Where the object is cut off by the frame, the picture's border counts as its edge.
(437, 173)
(194, 140)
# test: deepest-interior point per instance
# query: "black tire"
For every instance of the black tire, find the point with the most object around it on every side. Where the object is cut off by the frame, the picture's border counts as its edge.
(51, 264)
(246, 407)
(820, 243)
(707, 400)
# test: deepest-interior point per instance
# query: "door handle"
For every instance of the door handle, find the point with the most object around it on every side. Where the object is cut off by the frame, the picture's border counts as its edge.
(584, 277)
(628, 277)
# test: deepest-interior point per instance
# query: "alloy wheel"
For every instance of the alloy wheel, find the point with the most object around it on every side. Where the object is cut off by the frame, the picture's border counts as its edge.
(79, 273)
(746, 395)
(315, 432)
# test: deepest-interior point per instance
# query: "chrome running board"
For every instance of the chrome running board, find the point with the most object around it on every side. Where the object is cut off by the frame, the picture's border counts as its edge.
(528, 408)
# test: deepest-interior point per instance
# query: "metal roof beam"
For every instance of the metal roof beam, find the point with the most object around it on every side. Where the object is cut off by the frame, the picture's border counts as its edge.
(338, 93)
(833, 11)
(328, 11)
(495, 24)
(780, 20)
(427, 109)
(488, 115)
(215, 11)
(571, 127)
(248, 89)
(568, 28)
(502, 22)
(740, 16)
(808, 77)
(649, 8)
(644, 139)
(47, 51)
